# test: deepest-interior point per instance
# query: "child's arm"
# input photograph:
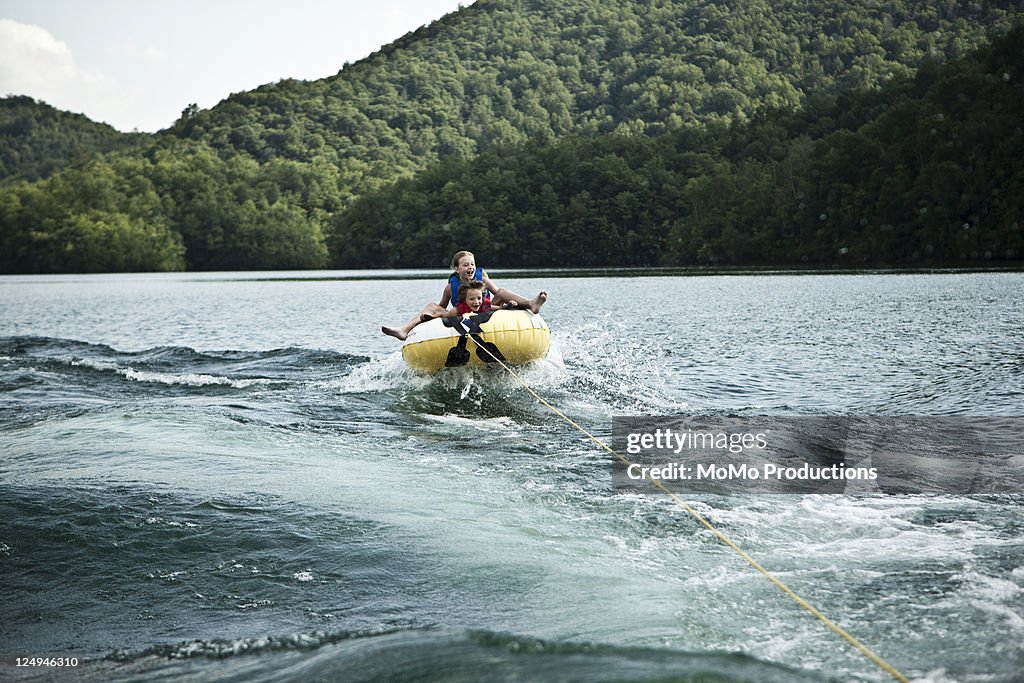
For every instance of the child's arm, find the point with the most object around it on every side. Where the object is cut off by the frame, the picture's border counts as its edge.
(489, 283)
(446, 295)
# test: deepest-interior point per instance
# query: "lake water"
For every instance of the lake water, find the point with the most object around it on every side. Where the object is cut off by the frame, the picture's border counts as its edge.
(235, 477)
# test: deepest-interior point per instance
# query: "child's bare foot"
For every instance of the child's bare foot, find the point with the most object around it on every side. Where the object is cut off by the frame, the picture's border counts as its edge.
(393, 332)
(538, 301)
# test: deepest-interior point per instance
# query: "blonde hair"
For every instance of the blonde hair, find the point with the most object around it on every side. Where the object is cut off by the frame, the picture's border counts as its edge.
(458, 257)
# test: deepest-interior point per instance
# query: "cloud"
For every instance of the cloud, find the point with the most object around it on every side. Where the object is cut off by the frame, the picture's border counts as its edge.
(30, 37)
(35, 63)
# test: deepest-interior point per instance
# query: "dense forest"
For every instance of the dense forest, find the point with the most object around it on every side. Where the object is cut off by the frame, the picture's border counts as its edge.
(37, 140)
(546, 133)
(923, 170)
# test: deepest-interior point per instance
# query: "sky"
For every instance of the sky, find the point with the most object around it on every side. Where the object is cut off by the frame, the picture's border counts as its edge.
(136, 64)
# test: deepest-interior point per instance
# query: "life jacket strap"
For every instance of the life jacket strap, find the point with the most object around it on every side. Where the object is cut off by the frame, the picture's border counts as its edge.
(486, 351)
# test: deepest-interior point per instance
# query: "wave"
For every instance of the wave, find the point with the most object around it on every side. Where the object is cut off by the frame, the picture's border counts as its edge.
(428, 655)
(23, 357)
(43, 378)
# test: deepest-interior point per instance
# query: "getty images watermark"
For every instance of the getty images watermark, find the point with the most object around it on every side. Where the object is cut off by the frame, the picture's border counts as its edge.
(702, 454)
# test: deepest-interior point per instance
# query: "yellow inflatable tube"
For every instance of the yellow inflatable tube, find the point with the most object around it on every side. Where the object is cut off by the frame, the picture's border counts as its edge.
(514, 336)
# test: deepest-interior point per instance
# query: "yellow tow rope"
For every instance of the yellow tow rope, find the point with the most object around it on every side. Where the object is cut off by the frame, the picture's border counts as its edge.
(857, 645)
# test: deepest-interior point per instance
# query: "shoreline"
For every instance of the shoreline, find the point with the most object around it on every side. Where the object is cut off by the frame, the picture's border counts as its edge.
(520, 273)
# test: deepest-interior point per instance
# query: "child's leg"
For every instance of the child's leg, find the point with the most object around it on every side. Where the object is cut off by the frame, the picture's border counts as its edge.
(429, 312)
(505, 296)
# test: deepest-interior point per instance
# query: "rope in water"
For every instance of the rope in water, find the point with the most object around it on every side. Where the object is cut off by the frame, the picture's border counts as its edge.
(856, 644)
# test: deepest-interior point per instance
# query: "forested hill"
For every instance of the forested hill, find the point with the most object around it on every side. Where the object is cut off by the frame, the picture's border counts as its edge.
(926, 170)
(37, 139)
(508, 71)
(273, 178)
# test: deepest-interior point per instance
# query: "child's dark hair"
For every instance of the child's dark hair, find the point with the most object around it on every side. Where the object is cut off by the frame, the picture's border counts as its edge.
(472, 284)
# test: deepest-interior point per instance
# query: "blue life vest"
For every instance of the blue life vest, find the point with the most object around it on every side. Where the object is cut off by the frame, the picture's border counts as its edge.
(454, 281)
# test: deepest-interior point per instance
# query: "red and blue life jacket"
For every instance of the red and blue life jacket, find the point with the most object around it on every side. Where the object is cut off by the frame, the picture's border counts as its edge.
(454, 281)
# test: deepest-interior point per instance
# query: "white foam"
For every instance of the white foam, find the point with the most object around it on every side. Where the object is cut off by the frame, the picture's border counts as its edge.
(993, 596)
(379, 374)
(936, 676)
(626, 372)
(185, 379)
(94, 364)
(874, 529)
(190, 379)
(503, 423)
